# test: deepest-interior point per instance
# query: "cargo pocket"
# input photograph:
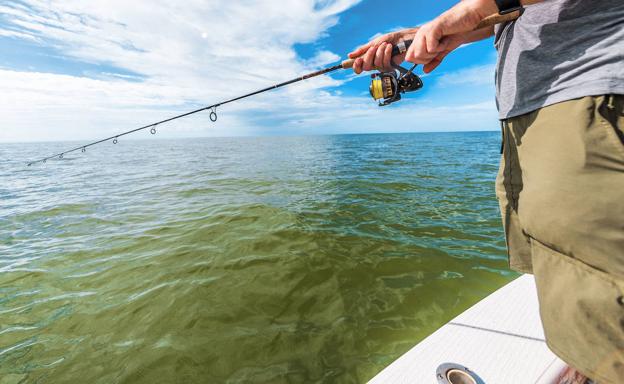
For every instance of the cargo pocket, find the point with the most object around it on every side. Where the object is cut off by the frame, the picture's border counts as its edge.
(582, 310)
(508, 187)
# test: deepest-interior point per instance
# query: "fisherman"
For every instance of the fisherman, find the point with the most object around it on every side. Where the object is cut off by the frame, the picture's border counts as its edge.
(559, 92)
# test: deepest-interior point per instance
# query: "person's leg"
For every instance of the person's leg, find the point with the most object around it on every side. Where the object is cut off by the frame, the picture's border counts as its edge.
(509, 185)
(572, 376)
(571, 210)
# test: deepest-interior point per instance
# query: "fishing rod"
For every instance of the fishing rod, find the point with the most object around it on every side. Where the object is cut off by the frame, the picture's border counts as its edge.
(213, 109)
(388, 85)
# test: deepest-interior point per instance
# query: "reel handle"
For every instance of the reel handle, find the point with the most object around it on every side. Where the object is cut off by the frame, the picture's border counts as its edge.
(487, 22)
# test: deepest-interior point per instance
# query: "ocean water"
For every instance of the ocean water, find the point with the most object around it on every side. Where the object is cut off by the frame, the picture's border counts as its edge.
(241, 260)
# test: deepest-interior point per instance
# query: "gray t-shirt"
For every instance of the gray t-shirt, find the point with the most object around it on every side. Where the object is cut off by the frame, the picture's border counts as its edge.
(559, 50)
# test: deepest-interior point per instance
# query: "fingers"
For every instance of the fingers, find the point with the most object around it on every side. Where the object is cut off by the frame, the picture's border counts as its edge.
(380, 55)
(450, 43)
(369, 58)
(376, 57)
(360, 51)
(387, 57)
(443, 45)
(430, 46)
(418, 52)
(357, 65)
(432, 38)
(433, 64)
(373, 58)
(377, 53)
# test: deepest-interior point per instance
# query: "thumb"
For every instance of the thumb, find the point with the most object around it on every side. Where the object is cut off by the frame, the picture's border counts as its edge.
(432, 39)
(359, 51)
(433, 64)
(443, 45)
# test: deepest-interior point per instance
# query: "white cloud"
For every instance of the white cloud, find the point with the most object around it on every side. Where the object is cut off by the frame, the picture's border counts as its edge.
(481, 75)
(19, 35)
(187, 56)
(191, 54)
(322, 58)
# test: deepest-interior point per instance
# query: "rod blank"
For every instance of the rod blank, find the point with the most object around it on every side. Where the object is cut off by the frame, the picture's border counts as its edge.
(212, 116)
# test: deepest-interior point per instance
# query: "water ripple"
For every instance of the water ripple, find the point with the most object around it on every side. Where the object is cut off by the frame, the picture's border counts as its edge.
(265, 260)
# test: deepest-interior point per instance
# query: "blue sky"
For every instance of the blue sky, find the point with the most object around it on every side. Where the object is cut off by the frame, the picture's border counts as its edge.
(76, 70)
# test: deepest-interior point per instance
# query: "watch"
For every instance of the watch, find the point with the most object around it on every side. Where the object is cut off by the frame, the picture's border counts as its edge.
(508, 6)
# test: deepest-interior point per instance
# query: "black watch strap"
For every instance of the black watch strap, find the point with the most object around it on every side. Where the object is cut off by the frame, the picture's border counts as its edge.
(508, 6)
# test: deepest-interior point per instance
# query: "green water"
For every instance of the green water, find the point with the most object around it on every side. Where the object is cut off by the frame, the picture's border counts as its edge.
(247, 260)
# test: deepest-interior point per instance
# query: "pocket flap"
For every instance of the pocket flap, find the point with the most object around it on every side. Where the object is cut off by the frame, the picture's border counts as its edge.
(582, 310)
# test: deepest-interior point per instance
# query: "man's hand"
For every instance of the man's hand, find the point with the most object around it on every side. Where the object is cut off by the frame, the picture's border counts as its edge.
(377, 53)
(453, 42)
(434, 40)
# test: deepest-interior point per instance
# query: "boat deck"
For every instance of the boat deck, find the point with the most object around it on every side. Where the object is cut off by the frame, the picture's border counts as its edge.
(500, 339)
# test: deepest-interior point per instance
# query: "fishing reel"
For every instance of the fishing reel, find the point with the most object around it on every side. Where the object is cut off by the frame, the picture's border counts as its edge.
(390, 85)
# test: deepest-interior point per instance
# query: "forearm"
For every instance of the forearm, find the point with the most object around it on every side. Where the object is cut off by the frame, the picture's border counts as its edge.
(478, 35)
(466, 22)
(468, 37)
(488, 7)
(493, 18)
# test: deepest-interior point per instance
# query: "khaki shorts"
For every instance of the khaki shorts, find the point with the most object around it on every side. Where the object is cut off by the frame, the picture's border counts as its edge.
(561, 194)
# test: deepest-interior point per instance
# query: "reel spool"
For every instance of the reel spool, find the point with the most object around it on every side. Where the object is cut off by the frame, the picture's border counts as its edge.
(390, 85)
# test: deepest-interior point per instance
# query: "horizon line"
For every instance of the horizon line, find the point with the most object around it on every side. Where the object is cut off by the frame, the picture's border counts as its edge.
(281, 135)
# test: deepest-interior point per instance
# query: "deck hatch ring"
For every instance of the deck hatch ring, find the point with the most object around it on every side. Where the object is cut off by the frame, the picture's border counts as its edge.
(451, 373)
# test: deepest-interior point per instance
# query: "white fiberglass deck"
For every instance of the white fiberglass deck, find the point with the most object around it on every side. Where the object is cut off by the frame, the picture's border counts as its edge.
(500, 339)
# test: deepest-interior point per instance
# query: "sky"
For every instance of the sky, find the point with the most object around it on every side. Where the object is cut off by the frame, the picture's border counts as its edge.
(80, 70)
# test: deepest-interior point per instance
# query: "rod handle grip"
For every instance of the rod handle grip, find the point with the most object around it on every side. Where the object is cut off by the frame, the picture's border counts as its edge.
(497, 19)
(348, 63)
(487, 22)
